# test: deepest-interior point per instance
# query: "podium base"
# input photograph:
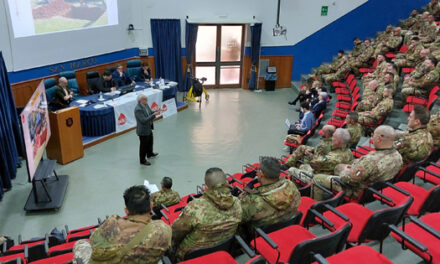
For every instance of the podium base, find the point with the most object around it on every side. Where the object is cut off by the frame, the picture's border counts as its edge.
(56, 190)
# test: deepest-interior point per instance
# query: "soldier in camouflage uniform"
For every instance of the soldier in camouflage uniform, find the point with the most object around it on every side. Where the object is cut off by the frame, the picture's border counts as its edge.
(380, 110)
(354, 128)
(166, 195)
(208, 220)
(363, 59)
(329, 68)
(434, 8)
(381, 65)
(136, 239)
(305, 152)
(358, 48)
(421, 85)
(434, 128)
(410, 21)
(387, 82)
(392, 44)
(417, 26)
(428, 31)
(340, 73)
(340, 153)
(416, 143)
(412, 55)
(384, 36)
(434, 48)
(380, 165)
(275, 200)
(369, 97)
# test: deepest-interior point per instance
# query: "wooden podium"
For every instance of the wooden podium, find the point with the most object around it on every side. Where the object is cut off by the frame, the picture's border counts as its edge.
(65, 144)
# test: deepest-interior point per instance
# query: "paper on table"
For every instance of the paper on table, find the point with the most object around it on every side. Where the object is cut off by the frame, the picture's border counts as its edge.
(287, 122)
(151, 187)
(172, 83)
(82, 101)
(164, 87)
(98, 106)
(82, 105)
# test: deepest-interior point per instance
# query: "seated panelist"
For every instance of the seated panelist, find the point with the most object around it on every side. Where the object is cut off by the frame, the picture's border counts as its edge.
(121, 77)
(106, 83)
(63, 95)
(144, 74)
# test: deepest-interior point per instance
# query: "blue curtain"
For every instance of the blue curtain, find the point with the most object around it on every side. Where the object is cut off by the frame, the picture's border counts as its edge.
(167, 50)
(10, 132)
(255, 53)
(190, 44)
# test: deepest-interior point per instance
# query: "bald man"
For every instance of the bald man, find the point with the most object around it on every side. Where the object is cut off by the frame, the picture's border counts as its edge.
(208, 220)
(380, 165)
(63, 95)
(369, 97)
(308, 152)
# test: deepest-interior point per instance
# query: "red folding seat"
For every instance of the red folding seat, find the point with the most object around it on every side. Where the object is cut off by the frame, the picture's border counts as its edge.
(358, 254)
(424, 200)
(221, 257)
(80, 235)
(343, 113)
(343, 105)
(421, 236)
(413, 100)
(61, 249)
(293, 244)
(60, 259)
(430, 174)
(14, 257)
(309, 207)
(367, 224)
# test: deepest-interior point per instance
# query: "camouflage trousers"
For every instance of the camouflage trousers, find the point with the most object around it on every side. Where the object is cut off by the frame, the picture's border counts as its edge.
(325, 181)
(82, 250)
(297, 155)
(333, 77)
(403, 62)
(365, 105)
(368, 119)
(304, 173)
(381, 49)
(410, 91)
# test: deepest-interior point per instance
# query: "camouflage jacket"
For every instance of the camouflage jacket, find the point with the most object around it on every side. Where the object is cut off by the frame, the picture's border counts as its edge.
(366, 54)
(207, 221)
(270, 203)
(381, 88)
(116, 232)
(382, 108)
(326, 164)
(414, 145)
(356, 132)
(434, 129)
(429, 30)
(166, 197)
(433, 9)
(394, 42)
(383, 36)
(324, 147)
(409, 22)
(428, 80)
(379, 165)
(357, 50)
(413, 53)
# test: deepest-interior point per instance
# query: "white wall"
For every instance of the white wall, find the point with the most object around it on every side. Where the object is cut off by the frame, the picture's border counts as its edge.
(300, 17)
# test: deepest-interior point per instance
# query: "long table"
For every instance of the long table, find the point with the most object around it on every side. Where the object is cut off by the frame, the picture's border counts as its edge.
(99, 118)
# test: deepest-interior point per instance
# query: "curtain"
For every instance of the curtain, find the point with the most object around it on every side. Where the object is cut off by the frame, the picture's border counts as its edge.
(255, 53)
(167, 49)
(10, 132)
(190, 44)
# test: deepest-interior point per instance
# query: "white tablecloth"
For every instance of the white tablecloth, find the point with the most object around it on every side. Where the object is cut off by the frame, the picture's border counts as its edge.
(124, 107)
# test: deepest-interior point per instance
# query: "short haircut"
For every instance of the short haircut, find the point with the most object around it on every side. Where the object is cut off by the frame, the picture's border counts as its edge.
(140, 97)
(62, 79)
(119, 65)
(391, 74)
(421, 113)
(270, 167)
(341, 51)
(167, 182)
(387, 132)
(415, 38)
(145, 64)
(214, 176)
(354, 116)
(107, 73)
(137, 200)
(433, 60)
(305, 105)
(356, 38)
(329, 128)
(324, 95)
(343, 134)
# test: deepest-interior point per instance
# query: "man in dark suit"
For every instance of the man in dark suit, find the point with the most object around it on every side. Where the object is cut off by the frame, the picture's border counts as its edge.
(121, 77)
(144, 74)
(106, 83)
(144, 119)
(63, 95)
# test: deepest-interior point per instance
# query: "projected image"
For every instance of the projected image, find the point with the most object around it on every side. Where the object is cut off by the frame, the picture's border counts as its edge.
(30, 17)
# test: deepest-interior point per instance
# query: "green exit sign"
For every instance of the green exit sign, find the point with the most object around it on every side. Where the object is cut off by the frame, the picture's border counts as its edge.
(324, 10)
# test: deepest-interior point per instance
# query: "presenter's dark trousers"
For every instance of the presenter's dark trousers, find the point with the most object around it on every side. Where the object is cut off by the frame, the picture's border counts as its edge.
(146, 147)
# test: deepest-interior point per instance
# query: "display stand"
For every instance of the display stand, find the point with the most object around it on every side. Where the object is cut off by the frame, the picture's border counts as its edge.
(48, 189)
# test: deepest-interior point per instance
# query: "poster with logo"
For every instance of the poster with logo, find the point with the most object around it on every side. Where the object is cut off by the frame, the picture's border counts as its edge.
(124, 107)
(36, 128)
(169, 108)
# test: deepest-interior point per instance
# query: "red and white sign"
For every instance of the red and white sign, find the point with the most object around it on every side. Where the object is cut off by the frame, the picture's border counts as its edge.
(169, 107)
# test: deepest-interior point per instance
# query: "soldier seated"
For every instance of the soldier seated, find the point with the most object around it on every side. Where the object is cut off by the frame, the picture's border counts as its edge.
(354, 128)
(416, 143)
(379, 111)
(434, 128)
(166, 195)
(275, 200)
(380, 165)
(307, 152)
(208, 220)
(340, 153)
(369, 97)
(420, 84)
(136, 239)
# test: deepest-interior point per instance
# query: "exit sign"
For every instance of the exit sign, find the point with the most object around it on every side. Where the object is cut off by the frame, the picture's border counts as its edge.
(324, 10)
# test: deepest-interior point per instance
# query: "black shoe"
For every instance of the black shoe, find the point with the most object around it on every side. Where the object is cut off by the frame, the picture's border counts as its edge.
(152, 155)
(146, 163)
(298, 110)
(292, 102)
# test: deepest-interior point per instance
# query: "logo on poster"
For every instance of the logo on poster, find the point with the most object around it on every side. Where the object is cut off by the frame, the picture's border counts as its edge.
(122, 119)
(164, 107)
(154, 107)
